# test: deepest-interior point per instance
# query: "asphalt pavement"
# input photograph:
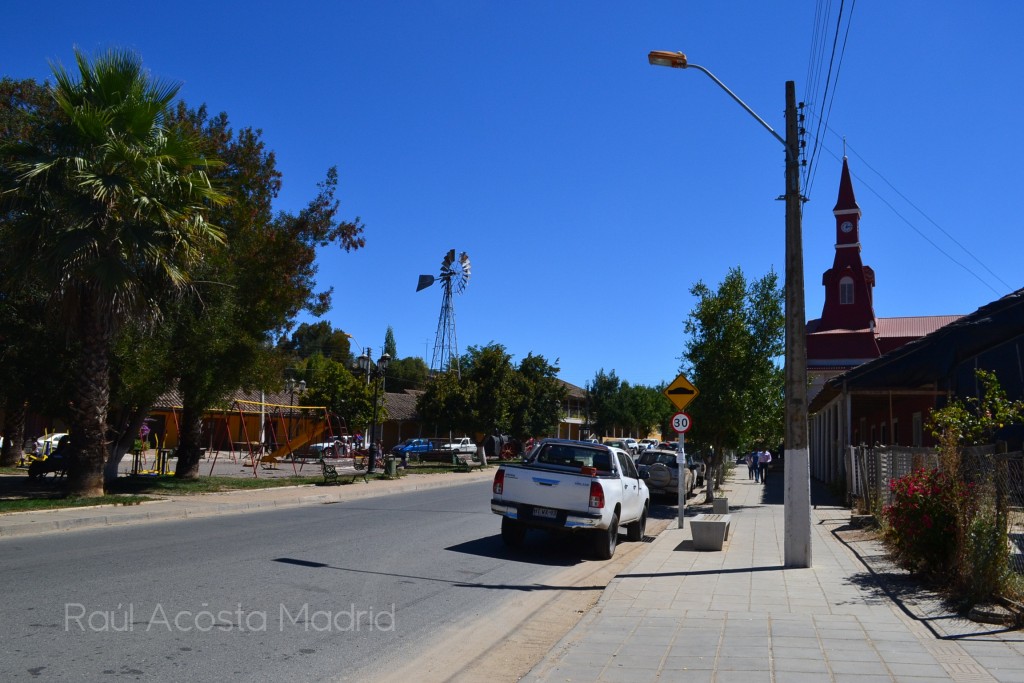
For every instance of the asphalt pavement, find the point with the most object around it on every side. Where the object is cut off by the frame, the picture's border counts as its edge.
(712, 616)
(206, 504)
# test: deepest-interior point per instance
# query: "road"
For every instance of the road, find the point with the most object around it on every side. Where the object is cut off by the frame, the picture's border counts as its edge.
(346, 591)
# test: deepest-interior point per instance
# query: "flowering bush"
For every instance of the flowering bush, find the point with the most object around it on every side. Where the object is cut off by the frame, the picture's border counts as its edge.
(922, 520)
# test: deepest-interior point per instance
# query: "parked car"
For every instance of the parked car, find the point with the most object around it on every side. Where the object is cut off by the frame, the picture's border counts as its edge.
(618, 443)
(48, 443)
(644, 444)
(634, 445)
(662, 472)
(413, 447)
(572, 487)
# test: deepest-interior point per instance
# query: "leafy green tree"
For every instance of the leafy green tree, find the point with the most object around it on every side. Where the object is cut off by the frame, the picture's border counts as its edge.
(647, 407)
(536, 402)
(605, 409)
(112, 213)
(736, 335)
(976, 419)
(257, 287)
(331, 384)
(446, 403)
(33, 360)
(320, 337)
(481, 402)
(390, 347)
(407, 373)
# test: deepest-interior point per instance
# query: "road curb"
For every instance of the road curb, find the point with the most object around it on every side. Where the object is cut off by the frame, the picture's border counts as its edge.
(212, 504)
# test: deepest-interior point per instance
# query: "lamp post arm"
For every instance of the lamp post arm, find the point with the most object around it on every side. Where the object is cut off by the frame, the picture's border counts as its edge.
(723, 86)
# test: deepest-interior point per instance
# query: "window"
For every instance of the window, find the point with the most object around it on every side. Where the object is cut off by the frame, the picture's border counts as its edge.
(566, 455)
(846, 290)
(626, 465)
(917, 429)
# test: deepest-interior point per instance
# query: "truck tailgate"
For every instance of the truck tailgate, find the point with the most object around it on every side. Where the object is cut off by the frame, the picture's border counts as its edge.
(540, 488)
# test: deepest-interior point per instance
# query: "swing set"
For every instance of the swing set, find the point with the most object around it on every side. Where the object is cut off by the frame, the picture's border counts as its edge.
(286, 434)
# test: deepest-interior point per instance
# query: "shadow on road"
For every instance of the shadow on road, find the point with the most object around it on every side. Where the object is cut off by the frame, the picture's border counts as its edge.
(310, 564)
(540, 548)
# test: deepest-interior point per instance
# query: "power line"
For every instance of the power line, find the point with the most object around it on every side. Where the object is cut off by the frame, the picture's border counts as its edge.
(829, 95)
(864, 183)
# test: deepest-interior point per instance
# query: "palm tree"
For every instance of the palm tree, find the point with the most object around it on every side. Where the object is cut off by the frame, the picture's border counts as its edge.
(109, 216)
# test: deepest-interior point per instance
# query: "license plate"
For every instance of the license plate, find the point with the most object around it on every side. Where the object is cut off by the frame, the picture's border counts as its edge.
(546, 513)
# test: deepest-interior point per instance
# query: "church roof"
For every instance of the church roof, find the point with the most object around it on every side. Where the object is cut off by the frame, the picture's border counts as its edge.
(886, 328)
(846, 199)
(915, 326)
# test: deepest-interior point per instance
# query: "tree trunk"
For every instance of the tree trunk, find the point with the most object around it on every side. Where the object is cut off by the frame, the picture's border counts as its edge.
(90, 398)
(124, 442)
(14, 432)
(709, 480)
(189, 448)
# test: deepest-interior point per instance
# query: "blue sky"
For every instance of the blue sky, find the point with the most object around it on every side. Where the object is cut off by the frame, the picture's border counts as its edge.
(590, 189)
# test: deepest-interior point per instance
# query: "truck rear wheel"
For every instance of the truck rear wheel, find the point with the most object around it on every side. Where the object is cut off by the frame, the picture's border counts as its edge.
(606, 540)
(635, 530)
(512, 532)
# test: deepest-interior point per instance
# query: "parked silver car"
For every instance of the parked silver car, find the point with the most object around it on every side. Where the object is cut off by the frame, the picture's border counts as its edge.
(662, 472)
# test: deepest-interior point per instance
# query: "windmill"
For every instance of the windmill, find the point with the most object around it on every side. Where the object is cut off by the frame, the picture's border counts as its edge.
(454, 276)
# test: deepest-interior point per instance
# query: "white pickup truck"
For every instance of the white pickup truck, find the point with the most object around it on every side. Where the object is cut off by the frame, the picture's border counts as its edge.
(572, 486)
(463, 446)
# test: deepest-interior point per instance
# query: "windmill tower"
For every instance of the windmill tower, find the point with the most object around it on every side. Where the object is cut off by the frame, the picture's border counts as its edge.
(454, 276)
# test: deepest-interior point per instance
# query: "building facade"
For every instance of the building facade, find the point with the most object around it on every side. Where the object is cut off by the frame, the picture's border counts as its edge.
(849, 335)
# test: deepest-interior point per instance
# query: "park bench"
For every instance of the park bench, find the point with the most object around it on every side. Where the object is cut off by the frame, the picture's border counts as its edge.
(334, 475)
(40, 468)
(710, 531)
(463, 462)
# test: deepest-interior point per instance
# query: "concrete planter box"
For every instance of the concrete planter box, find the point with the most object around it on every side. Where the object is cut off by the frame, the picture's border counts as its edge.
(720, 506)
(710, 531)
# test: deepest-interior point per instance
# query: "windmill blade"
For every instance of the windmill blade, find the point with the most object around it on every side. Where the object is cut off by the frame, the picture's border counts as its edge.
(424, 282)
(461, 274)
(449, 258)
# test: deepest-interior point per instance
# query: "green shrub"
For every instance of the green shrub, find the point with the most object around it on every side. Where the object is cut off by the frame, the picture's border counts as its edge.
(986, 561)
(922, 520)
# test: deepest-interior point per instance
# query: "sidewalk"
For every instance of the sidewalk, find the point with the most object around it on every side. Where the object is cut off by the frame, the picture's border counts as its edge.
(227, 502)
(738, 615)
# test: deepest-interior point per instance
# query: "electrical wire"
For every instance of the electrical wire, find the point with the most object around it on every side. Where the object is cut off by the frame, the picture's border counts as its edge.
(831, 86)
(863, 183)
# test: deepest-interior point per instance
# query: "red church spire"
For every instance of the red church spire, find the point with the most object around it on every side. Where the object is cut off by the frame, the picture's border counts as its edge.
(848, 283)
(846, 200)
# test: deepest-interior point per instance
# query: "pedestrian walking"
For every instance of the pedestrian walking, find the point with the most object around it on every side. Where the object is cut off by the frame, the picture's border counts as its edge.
(751, 461)
(764, 459)
(755, 461)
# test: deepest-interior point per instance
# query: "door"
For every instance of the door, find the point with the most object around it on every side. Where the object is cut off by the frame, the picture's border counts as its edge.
(631, 504)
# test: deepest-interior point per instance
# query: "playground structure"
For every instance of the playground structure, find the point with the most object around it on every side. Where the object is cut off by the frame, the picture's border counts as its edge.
(262, 435)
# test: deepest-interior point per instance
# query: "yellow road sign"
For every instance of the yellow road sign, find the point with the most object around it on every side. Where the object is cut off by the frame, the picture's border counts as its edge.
(681, 392)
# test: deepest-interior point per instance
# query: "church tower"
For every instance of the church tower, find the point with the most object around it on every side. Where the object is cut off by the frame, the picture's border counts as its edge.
(848, 283)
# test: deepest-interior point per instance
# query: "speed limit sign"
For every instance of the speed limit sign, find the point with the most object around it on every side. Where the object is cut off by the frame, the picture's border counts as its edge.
(681, 423)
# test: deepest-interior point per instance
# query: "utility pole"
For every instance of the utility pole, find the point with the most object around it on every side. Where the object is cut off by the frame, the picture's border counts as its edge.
(797, 551)
(797, 545)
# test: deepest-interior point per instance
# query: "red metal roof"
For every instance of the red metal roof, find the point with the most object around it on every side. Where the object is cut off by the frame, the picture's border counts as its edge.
(914, 327)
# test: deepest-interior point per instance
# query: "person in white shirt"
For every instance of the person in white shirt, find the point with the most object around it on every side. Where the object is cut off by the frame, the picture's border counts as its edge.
(764, 458)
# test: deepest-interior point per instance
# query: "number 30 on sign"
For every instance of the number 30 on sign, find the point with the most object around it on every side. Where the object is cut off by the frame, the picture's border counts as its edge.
(681, 423)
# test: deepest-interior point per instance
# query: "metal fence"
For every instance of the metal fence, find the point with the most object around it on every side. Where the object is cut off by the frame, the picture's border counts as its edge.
(998, 479)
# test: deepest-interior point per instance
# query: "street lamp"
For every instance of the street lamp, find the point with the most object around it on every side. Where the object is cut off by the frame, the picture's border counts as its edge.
(797, 551)
(377, 372)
